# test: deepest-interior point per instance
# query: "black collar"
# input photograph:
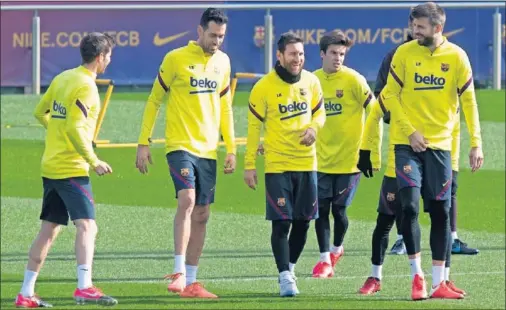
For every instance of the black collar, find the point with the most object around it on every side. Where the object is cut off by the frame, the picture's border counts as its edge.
(285, 75)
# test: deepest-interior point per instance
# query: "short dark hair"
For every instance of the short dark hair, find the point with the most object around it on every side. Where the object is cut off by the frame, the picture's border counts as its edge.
(432, 11)
(213, 15)
(94, 44)
(335, 38)
(288, 38)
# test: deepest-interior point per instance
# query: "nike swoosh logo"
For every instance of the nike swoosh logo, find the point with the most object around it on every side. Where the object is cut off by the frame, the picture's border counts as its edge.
(444, 184)
(453, 32)
(340, 192)
(162, 41)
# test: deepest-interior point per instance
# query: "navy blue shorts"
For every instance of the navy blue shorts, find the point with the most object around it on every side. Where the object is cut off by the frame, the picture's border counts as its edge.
(189, 171)
(431, 171)
(455, 185)
(339, 188)
(389, 202)
(291, 196)
(67, 197)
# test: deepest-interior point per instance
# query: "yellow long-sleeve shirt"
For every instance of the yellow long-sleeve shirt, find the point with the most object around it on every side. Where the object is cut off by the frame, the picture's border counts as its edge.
(286, 111)
(423, 93)
(199, 102)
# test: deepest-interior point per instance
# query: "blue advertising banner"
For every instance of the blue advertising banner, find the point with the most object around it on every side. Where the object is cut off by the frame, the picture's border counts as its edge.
(145, 36)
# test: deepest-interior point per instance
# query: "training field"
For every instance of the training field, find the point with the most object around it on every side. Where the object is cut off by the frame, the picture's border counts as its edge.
(135, 215)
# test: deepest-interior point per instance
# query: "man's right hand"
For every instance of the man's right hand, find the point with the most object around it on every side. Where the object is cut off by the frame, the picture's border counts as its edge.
(418, 142)
(250, 178)
(143, 157)
(364, 163)
(102, 168)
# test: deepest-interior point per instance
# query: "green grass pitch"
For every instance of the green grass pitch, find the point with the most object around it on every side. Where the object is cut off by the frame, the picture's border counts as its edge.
(135, 214)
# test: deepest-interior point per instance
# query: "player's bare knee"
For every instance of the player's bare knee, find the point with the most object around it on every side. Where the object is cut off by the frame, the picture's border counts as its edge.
(201, 214)
(186, 200)
(86, 226)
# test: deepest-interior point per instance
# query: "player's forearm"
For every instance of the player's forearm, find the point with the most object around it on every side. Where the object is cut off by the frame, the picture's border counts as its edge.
(150, 114)
(319, 116)
(252, 142)
(470, 109)
(371, 138)
(41, 113)
(43, 119)
(227, 125)
(79, 139)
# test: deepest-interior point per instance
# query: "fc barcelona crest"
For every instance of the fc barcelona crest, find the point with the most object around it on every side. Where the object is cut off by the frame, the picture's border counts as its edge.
(445, 67)
(216, 70)
(407, 169)
(303, 92)
(281, 202)
(390, 196)
(339, 93)
(185, 172)
(259, 37)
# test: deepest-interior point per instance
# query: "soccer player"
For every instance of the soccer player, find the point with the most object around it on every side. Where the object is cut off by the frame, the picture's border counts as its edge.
(288, 103)
(458, 247)
(428, 77)
(346, 97)
(389, 206)
(69, 110)
(196, 78)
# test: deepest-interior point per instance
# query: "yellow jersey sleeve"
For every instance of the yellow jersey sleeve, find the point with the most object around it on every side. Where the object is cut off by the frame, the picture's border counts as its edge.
(363, 92)
(43, 108)
(256, 116)
(468, 100)
(227, 115)
(373, 132)
(391, 93)
(161, 85)
(76, 125)
(317, 107)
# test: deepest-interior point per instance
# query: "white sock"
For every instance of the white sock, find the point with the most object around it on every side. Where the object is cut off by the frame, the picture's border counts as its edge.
(28, 288)
(447, 274)
(376, 271)
(416, 266)
(399, 237)
(454, 235)
(84, 276)
(325, 257)
(179, 264)
(291, 267)
(438, 274)
(191, 274)
(337, 249)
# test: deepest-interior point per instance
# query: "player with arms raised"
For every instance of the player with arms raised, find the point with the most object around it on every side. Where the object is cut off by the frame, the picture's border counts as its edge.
(288, 103)
(196, 78)
(69, 110)
(346, 98)
(428, 77)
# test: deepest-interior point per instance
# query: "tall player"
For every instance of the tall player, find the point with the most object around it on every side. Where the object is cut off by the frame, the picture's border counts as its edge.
(346, 97)
(69, 110)
(389, 205)
(196, 78)
(458, 247)
(428, 77)
(288, 103)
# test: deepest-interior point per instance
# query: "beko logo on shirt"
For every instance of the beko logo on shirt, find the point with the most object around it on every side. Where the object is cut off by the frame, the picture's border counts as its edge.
(298, 107)
(59, 109)
(432, 81)
(207, 85)
(333, 108)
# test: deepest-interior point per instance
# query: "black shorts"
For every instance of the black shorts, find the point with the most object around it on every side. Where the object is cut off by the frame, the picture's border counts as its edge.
(389, 202)
(291, 196)
(453, 193)
(189, 171)
(431, 171)
(339, 188)
(67, 197)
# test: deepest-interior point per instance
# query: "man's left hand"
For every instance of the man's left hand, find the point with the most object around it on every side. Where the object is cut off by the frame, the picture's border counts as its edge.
(308, 137)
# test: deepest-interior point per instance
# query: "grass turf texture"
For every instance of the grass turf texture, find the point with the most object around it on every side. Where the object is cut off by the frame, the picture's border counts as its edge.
(135, 213)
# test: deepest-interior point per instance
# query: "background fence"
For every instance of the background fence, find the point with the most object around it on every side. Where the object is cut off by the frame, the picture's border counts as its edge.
(145, 35)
